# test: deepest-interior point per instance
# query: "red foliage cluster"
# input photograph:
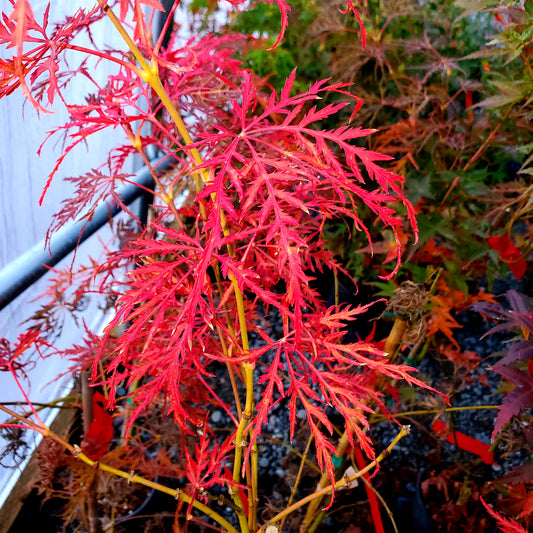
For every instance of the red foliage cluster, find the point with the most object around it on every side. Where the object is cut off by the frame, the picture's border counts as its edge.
(258, 178)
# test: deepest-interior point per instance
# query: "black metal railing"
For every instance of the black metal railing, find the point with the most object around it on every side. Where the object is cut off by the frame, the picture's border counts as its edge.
(21, 273)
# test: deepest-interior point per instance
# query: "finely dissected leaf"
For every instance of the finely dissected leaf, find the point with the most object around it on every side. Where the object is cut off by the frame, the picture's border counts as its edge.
(520, 398)
(284, 9)
(262, 178)
(92, 188)
(38, 49)
(507, 525)
(351, 7)
(207, 466)
(14, 357)
(277, 182)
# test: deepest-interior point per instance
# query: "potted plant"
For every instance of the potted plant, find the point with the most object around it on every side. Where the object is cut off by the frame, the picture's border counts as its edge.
(216, 322)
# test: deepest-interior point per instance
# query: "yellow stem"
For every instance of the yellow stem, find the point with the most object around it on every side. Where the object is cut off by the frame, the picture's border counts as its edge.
(124, 34)
(150, 74)
(379, 417)
(252, 496)
(176, 493)
(240, 436)
(391, 347)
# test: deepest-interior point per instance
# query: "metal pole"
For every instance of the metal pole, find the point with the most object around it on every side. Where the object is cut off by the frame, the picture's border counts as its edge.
(21, 273)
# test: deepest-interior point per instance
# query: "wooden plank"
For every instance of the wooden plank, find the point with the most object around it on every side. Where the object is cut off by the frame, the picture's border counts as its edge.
(31, 474)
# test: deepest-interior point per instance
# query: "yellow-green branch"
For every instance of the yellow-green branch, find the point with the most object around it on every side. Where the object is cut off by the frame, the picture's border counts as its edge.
(150, 74)
(379, 417)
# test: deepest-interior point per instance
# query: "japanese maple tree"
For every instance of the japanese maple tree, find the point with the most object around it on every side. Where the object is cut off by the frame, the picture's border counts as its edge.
(235, 237)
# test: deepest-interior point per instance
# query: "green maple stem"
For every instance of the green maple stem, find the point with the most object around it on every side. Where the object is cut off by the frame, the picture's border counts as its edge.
(342, 483)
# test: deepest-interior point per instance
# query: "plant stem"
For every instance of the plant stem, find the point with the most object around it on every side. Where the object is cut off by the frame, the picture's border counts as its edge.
(391, 346)
(124, 34)
(176, 493)
(167, 196)
(252, 494)
(339, 484)
(240, 438)
(489, 138)
(380, 417)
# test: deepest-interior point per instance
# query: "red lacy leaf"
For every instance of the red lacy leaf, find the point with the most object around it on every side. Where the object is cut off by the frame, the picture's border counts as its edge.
(351, 7)
(507, 525)
(205, 468)
(14, 357)
(284, 9)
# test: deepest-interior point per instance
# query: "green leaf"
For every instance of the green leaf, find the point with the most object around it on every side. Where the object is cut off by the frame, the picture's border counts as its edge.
(385, 288)
(472, 6)
(510, 92)
(419, 188)
(484, 53)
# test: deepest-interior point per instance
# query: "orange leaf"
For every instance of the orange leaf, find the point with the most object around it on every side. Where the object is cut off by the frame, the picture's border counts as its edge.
(466, 359)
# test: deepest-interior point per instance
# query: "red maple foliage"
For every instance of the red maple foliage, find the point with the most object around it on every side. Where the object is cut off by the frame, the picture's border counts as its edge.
(262, 178)
(507, 525)
(509, 254)
(518, 317)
